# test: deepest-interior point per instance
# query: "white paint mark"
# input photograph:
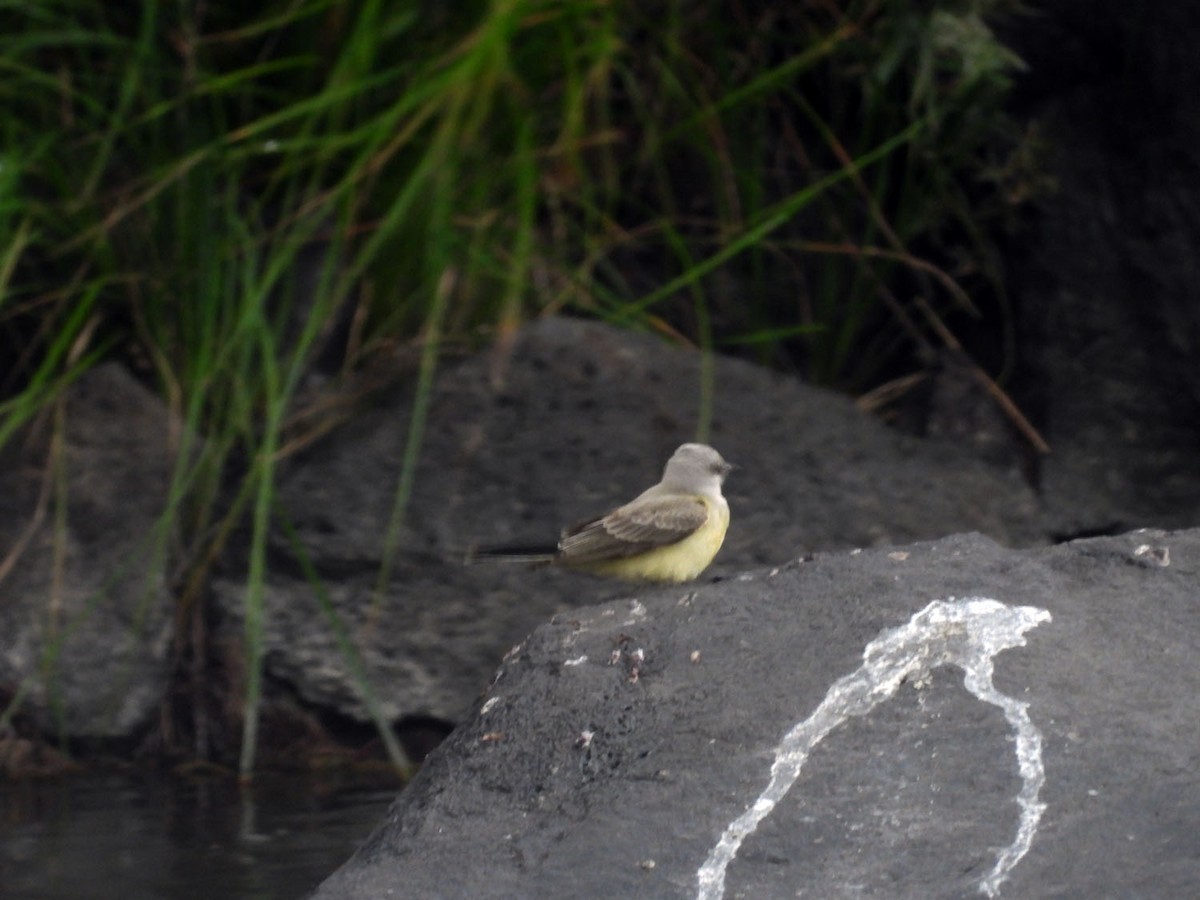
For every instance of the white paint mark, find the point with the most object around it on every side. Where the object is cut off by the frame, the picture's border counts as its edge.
(488, 706)
(966, 633)
(637, 612)
(1159, 556)
(577, 661)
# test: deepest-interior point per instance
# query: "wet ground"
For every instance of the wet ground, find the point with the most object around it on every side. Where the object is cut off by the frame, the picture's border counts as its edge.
(136, 836)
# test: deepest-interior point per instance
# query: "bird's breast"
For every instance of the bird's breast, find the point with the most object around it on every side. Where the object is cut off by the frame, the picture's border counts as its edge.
(681, 561)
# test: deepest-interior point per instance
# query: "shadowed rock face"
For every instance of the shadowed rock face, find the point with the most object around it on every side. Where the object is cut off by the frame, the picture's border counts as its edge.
(948, 719)
(1104, 279)
(85, 610)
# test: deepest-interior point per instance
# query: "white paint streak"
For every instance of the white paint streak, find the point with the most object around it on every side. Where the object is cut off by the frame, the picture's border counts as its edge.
(487, 707)
(637, 612)
(966, 633)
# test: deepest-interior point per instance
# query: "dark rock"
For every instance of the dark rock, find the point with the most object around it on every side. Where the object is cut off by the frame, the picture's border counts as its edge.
(85, 613)
(571, 419)
(1105, 279)
(1035, 737)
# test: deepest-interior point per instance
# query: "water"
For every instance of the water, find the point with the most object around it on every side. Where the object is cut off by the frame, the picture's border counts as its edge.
(135, 836)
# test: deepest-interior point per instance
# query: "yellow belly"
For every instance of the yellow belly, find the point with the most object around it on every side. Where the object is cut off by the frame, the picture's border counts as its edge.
(676, 562)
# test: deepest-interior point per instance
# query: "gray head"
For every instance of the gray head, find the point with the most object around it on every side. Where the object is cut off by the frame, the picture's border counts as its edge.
(696, 468)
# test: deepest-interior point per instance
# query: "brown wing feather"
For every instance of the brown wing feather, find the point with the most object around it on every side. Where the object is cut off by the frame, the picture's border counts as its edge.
(632, 529)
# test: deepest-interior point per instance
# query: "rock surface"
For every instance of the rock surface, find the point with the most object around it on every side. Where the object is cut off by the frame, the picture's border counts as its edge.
(572, 419)
(943, 719)
(85, 612)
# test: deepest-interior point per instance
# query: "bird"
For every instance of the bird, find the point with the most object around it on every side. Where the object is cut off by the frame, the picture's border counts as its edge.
(668, 533)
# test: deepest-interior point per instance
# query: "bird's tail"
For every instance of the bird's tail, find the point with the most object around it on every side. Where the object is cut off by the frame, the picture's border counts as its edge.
(535, 556)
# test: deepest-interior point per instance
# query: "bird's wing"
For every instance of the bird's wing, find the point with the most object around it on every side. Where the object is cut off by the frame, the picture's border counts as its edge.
(637, 527)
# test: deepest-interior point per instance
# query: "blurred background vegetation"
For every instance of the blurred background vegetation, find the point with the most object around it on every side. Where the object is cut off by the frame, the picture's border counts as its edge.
(248, 203)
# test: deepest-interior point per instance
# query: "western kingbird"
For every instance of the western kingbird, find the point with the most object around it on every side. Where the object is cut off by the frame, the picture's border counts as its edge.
(670, 532)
